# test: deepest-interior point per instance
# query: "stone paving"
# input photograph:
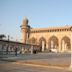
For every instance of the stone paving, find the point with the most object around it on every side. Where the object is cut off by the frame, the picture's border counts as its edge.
(50, 59)
(13, 67)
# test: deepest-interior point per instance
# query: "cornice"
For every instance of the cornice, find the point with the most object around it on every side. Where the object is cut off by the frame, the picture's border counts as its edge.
(50, 29)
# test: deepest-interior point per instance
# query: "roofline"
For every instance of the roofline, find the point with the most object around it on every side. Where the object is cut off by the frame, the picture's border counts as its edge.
(49, 29)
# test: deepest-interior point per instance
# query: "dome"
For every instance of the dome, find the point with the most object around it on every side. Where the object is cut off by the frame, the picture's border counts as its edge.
(25, 21)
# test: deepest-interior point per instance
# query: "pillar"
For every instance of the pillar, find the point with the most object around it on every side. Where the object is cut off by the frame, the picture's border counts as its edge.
(59, 48)
(32, 49)
(63, 45)
(52, 44)
(47, 45)
(23, 50)
(43, 45)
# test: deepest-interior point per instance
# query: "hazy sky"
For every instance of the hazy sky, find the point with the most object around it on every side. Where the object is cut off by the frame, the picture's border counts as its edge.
(41, 13)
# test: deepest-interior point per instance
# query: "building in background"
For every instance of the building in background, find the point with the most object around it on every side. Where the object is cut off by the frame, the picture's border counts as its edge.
(52, 38)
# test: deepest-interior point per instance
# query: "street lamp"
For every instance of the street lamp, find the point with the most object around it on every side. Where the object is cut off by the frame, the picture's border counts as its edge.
(8, 45)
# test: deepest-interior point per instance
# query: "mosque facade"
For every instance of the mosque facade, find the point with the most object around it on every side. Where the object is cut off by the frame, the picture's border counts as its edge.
(51, 38)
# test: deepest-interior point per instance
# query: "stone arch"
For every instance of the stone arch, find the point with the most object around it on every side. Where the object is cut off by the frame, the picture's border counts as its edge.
(32, 40)
(65, 44)
(42, 43)
(53, 42)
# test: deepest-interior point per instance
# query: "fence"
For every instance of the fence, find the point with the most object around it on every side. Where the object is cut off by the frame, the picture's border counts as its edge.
(12, 47)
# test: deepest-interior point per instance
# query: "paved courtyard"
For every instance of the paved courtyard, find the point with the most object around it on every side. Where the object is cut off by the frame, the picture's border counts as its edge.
(62, 59)
(12, 67)
(42, 62)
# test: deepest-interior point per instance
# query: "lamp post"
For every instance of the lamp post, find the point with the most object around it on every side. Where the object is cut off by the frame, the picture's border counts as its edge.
(8, 45)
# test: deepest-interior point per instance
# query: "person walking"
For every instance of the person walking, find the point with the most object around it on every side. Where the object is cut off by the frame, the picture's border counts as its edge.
(16, 51)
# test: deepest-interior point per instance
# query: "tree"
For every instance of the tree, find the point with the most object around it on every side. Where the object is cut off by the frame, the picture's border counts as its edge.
(2, 36)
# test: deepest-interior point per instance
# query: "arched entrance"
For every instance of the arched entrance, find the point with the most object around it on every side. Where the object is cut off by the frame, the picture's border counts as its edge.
(53, 43)
(65, 44)
(42, 43)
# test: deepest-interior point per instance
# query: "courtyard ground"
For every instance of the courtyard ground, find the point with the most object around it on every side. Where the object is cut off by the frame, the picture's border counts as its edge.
(53, 61)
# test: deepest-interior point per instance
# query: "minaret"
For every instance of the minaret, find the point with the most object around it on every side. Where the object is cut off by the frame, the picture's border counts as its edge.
(24, 28)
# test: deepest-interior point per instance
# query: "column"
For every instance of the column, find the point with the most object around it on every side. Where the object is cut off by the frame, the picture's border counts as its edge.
(32, 49)
(59, 50)
(42, 45)
(51, 44)
(23, 50)
(63, 45)
(47, 45)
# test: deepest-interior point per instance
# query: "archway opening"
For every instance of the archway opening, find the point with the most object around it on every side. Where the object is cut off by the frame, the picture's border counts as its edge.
(42, 44)
(53, 43)
(65, 44)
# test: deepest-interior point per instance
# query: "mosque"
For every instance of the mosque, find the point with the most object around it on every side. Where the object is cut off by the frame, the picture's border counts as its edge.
(51, 38)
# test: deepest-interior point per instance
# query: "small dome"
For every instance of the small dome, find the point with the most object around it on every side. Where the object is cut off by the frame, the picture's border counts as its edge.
(25, 18)
(25, 21)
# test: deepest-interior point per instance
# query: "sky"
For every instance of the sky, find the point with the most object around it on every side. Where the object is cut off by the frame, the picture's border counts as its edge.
(40, 13)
